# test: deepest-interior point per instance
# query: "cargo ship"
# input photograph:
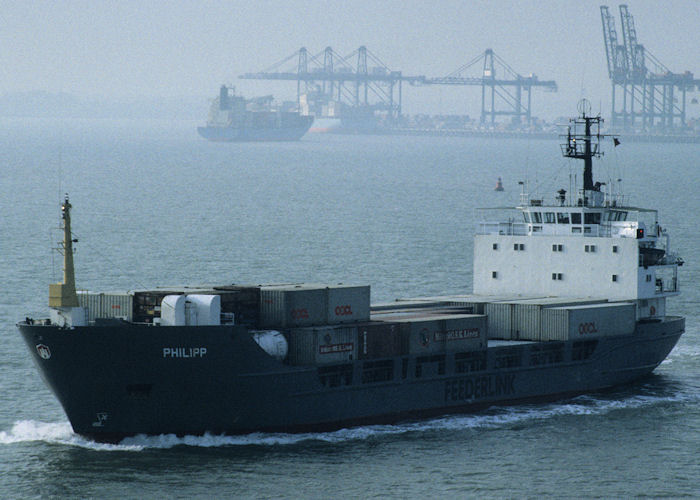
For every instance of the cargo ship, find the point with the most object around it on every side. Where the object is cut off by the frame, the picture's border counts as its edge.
(568, 298)
(233, 118)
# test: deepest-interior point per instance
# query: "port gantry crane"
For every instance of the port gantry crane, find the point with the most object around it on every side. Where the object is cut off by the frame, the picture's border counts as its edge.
(647, 86)
(496, 80)
(327, 77)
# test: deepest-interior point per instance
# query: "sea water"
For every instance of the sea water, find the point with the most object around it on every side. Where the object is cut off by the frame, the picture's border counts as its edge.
(153, 204)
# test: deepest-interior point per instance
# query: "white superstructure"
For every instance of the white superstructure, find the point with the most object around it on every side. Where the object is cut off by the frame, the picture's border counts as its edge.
(589, 246)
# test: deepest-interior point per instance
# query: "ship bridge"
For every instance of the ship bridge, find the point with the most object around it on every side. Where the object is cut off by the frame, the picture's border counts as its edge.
(538, 219)
(575, 250)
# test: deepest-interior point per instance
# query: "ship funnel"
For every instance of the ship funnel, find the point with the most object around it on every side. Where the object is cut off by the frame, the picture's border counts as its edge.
(223, 98)
(63, 294)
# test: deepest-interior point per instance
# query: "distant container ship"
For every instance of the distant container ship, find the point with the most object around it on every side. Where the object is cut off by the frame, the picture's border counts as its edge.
(335, 117)
(233, 118)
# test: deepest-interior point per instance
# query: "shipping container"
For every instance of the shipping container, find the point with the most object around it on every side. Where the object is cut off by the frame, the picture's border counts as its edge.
(147, 303)
(474, 304)
(465, 332)
(500, 320)
(107, 305)
(420, 333)
(408, 304)
(521, 319)
(419, 312)
(290, 306)
(322, 345)
(588, 321)
(347, 304)
(380, 340)
(526, 315)
(436, 334)
(241, 301)
(404, 314)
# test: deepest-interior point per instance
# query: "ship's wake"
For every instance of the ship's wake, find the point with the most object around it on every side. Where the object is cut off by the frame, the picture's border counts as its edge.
(24, 431)
(493, 419)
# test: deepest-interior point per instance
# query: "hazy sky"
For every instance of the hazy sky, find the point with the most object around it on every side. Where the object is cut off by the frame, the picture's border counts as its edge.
(188, 48)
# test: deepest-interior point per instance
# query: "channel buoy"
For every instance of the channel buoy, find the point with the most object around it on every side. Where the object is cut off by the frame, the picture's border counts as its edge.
(499, 185)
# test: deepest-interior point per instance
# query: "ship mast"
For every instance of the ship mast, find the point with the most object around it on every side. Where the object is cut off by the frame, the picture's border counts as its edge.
(64, 294)
(581, 146)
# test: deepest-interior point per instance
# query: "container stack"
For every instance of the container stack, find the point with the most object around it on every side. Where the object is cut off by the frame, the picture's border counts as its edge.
(293, 306)
(533, 319)
(395, 335)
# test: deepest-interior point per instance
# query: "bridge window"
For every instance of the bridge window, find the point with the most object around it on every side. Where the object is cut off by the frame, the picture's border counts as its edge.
(618, 216)
(576, 218)
(537, 217)
(562, 217)
(549, 217)
(591, 218)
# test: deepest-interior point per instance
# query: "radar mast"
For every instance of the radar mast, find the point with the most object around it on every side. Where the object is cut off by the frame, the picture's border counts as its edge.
(584, 145)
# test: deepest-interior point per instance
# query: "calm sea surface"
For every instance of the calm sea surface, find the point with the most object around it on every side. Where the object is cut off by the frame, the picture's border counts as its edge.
(156, 205)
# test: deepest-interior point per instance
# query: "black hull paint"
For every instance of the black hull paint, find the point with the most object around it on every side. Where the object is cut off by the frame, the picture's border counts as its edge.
(117, 381)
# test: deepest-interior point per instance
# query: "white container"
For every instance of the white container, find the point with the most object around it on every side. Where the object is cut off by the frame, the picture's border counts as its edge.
(172, 310)
(500, 320)
(107, 305)
(526, 315)
(208, 309)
